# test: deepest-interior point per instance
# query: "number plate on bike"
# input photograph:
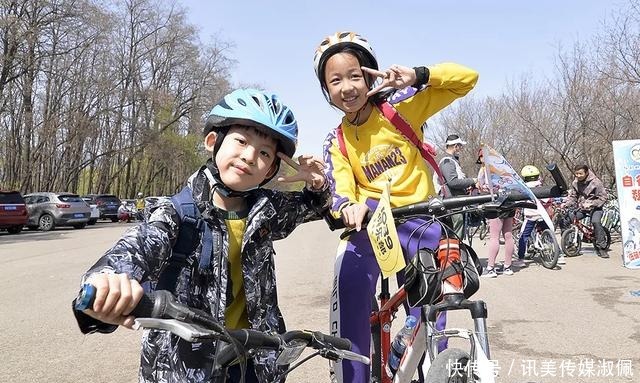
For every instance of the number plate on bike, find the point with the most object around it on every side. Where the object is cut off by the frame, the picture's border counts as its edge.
(291, 352)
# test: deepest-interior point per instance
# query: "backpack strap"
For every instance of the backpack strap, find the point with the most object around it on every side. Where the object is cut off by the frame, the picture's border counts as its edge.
(191, 227)
(427, 151)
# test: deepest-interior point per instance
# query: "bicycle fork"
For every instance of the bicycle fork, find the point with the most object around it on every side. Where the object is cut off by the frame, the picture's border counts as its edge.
(480, 355)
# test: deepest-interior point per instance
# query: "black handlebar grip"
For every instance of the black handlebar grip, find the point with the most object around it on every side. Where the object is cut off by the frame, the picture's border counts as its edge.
(146, 308)
(150, 305)
(252, 338)
(339, 343)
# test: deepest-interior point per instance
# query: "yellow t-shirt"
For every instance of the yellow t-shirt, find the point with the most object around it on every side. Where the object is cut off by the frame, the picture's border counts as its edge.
(236, 311)
(377, 151)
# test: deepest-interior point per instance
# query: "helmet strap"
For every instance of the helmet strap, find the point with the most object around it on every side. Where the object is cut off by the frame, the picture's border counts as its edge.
(213, 174)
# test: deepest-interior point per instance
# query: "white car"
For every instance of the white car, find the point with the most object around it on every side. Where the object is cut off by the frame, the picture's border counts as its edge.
(95, 212)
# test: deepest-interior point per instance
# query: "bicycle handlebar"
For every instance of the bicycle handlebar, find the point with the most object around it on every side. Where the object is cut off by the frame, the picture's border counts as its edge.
(488, 202)
(161, 304)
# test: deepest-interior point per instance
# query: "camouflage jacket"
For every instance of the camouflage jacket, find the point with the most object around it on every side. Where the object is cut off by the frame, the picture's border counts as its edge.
(143, 251)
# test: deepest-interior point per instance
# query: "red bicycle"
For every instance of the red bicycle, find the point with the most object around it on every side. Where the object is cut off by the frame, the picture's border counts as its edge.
(580, 230)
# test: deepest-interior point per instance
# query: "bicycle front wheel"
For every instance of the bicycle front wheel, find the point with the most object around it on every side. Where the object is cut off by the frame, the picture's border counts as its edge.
(549, 252)
(452, 366)
(570, 246)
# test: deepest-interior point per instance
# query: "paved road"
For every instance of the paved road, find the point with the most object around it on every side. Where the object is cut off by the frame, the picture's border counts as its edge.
(584, 315)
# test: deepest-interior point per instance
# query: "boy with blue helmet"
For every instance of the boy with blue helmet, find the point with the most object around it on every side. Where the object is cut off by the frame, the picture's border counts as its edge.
(248, 133)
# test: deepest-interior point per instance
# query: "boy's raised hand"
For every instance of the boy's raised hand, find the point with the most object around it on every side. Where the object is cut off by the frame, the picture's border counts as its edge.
(397, 76)
(308, 169)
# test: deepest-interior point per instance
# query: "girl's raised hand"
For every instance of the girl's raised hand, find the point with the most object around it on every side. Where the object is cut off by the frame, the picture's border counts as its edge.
(397, 76)
(308, 169)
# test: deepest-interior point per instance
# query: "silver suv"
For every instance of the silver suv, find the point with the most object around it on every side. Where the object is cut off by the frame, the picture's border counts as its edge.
(48, 210)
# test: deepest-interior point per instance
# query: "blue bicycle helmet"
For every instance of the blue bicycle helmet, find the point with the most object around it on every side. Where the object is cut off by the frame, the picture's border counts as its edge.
(251, 107)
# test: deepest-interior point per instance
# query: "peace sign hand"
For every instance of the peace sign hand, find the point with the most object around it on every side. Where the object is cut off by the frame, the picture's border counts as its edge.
(397, 76)
(308, 169)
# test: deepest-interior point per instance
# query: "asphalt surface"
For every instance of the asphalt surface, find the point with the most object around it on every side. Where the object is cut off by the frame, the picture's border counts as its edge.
(581, 319)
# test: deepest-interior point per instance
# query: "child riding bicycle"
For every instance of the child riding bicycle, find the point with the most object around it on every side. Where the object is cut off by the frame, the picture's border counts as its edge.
(230, 273)
(362, 155)
(531, 176)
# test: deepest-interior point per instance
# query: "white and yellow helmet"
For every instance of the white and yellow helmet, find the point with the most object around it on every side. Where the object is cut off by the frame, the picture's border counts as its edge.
(339, 40)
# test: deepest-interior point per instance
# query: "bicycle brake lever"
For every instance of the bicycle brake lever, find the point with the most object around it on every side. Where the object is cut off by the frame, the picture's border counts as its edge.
(187, 331)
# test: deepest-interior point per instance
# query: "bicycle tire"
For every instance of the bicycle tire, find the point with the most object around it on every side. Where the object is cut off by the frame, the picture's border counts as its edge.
(569, 247)
(443, 368)
(550, 252)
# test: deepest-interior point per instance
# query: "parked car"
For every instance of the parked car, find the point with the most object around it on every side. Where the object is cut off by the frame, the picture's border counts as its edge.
(48, 210)
(95, 212)
(107, 205)
(13, 211)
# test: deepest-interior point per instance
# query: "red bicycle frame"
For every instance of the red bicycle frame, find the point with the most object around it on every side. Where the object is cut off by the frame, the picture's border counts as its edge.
(381, 320)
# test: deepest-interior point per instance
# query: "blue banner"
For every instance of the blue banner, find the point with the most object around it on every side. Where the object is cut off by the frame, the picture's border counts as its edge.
(501, 175)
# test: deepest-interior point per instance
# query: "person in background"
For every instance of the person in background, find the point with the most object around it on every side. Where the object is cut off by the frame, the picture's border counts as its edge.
(456, 182)
(140, 206)
(588, 195)
(502, 223)
(123, 213)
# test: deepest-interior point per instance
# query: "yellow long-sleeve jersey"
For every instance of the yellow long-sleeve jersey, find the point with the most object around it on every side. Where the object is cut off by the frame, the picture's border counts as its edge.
(378, 152)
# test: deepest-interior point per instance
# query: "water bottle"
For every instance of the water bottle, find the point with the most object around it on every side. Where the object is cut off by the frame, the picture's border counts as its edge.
(399, 344)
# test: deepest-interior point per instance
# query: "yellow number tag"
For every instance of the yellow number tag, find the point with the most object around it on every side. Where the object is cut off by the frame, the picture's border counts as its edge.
(384, 237)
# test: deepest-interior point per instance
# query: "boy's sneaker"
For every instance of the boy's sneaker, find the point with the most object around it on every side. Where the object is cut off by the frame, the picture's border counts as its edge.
(490, 273)
(507, 271)
(561, 260)
(519, 263)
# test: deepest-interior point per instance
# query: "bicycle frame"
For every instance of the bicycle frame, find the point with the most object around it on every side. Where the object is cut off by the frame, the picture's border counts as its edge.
(537, 231)
(423, 345)
(381, 320)
(583, 232)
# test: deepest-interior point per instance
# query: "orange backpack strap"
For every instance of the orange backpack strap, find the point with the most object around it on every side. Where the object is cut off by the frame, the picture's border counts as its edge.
(427, 151)
(340, 138)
